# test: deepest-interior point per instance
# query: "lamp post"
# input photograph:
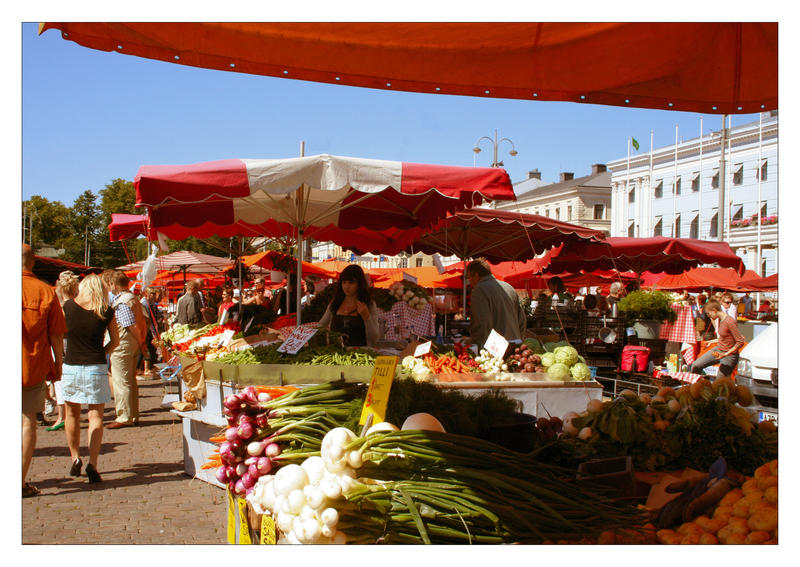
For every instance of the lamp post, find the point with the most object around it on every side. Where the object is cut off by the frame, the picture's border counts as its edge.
(495, 143)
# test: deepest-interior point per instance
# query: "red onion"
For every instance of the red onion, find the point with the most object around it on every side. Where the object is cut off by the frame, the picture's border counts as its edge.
(233, 402)
(249, 395)
(250, 461)
(241, 468)
(236, 445)
(222, 474)
(232, 485)
(239, 487)
(256, 448)
(262, 421)
(272, 450)
(247, 481)
(264, 465)
(230, 434)
(232, 421)
(252, 470)
(245, 430)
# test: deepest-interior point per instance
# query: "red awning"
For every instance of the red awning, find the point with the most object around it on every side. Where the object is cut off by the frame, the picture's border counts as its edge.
(708, 67)
(273, 260)
(699, 279)
(655, 254)
(769, 283)
(125, 227)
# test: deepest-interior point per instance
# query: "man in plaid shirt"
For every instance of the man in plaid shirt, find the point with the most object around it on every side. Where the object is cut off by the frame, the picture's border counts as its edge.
(132, 332)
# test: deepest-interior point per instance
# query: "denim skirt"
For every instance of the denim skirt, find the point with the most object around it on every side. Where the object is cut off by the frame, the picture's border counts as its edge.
(85, 384)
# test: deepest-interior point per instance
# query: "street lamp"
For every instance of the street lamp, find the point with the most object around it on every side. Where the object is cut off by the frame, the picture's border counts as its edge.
(495, 143)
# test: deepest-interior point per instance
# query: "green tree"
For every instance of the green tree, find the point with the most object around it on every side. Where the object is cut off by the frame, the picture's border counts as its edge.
(45, 222)
(84, 220)
(119, 196)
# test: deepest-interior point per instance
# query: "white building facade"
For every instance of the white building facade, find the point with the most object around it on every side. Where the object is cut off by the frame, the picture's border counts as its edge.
(675, 191)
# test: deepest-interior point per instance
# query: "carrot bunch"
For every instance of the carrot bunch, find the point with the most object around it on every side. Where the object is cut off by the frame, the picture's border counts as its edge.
(446, 363)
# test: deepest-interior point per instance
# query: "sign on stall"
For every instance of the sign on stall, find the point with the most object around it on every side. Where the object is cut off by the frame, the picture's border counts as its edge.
(380, 385)
(409, 278)
(422, 349)
(496, 344)
(297, 339)
(226, 337)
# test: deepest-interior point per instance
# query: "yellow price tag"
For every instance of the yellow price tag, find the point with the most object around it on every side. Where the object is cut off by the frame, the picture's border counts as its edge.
(244, 526)
(267, 530)
(379, 386)
(231, 518)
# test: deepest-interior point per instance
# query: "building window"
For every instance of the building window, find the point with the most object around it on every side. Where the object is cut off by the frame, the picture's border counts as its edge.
(419, 262)
(558, 213)
(658, 192)
(631, 230)
(694, 228)
(762, 171)
(678, 226)
(658, 229)
(738, 174)
(403, 262)
(569, 212)
(632, 196)
(712, 227)
(763, 210)
(547, 213)
(738, 212)
(715, 180)
(696, 182)
(676, 187)
(599, 211)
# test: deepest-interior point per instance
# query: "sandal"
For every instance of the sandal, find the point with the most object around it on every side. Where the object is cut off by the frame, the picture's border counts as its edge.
(29, 490)
(56, 427)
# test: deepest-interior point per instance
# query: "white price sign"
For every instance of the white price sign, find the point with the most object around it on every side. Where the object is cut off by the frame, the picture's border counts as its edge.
(422, 349)
(226, 337)
(496, 344)
(297, 339)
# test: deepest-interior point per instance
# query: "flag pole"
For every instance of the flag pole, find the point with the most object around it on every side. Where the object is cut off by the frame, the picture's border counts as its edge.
(627, 181)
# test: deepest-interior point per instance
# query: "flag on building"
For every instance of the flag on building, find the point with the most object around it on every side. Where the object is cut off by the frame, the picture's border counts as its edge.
(635, 144)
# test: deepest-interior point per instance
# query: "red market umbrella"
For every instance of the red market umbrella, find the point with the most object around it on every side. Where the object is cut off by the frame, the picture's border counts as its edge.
(273, 260)
(769, 283)
(498, 236)
(699, 279)
(655, 254)
(323, 197)
(712, 67)
(126, 227)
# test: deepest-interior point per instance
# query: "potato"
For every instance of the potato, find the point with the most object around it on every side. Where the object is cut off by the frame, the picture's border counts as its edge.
(765, 482)
(741, 508)
(773, 467)
(708, 539)
(763, 521)
(690, 528)
(771, 495)
(731, 497)
(667, 536)
(738, 526)
(749, 486)
(702, 521)
(723, 513)
(691, 539)
(735, 539)
(757, 538)
(753, 497)
(763, 470)
(607, 538)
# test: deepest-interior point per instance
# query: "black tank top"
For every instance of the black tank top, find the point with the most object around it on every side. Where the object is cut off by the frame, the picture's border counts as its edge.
(352, 326)
(85, 334)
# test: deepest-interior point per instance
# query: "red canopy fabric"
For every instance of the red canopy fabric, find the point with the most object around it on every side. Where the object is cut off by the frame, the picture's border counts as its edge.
(708, 67)
(699, 279)
(498, 235)
(269, 259)
(655, 254)
(769, 283)
(125, 227)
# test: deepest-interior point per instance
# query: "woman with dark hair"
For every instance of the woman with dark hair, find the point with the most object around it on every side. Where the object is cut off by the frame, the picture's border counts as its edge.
(352, 311)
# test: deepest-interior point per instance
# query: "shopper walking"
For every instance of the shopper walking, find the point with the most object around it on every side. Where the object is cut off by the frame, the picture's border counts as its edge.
(190, 308)
(132, 331)
(494, 305)
(43, 329)
(66, 288)
(85, 376)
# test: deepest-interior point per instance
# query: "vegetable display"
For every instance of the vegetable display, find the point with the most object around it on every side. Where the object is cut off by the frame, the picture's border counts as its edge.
(417, 486)
(416, 296)
(688, 427)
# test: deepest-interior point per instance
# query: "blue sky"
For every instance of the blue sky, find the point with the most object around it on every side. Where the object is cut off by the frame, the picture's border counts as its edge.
(90, 116)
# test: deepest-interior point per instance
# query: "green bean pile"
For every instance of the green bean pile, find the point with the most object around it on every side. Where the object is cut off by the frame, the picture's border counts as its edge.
(321, 355)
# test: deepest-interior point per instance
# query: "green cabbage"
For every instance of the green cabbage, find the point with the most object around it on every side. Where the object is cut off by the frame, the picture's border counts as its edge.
(558, 372)
(566, 355)
(580, 372)
(548, 359)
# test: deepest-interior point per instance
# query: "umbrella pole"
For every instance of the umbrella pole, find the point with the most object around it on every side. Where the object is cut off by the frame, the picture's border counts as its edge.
(464, 289)
(300, 246)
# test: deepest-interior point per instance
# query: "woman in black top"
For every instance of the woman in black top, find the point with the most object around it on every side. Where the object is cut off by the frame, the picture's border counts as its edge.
(85, 376)
(352, 311)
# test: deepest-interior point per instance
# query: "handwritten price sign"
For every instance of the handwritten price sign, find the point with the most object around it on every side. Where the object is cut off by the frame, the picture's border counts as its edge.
(297, 339)
(496, 344)
(379, 386)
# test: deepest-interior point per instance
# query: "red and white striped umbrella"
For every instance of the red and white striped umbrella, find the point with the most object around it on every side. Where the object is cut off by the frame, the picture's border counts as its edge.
(324, 197)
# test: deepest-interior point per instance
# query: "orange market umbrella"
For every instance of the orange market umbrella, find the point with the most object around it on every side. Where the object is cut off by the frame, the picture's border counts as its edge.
(712, 67)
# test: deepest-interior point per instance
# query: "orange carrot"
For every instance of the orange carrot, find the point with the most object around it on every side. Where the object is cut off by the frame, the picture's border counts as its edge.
(217, 439)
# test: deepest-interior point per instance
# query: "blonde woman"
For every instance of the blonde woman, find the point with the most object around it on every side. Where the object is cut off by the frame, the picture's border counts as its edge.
(85, 376)
(66, 288)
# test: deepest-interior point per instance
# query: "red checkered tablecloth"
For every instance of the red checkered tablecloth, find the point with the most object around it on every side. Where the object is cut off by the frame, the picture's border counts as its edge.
(687, 377)
(682, 330)
(403, 321)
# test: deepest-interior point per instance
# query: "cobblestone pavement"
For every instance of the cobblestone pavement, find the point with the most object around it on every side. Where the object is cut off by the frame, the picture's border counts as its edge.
(145, 497)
